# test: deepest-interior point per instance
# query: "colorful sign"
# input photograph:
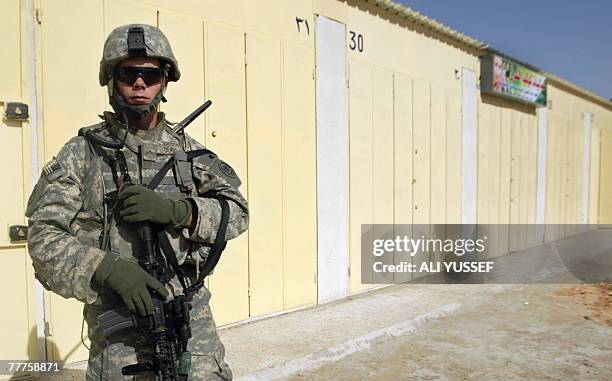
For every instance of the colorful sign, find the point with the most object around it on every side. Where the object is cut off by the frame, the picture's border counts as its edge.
(500, 76)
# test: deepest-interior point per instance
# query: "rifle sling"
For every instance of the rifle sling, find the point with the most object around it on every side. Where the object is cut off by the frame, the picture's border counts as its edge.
(219, 244)
(162, 172)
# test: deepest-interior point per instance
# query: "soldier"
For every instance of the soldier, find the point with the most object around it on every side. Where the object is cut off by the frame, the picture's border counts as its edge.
(83, 211)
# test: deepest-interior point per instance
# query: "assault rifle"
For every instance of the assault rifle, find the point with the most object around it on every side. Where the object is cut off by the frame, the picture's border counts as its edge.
(168, 327)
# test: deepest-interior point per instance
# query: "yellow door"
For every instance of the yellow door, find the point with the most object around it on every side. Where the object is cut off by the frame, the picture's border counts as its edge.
(382, 159)
(226, 135)
(299, 177)
(515, 179)
(595, 174)
(605, 181)
(421, 164)
(438, 154)
(360, 169)
(18, 327)
(402, 165)
(264, 103)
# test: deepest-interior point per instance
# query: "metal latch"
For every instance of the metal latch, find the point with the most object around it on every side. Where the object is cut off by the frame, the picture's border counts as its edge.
(17, 111)
(18, 233)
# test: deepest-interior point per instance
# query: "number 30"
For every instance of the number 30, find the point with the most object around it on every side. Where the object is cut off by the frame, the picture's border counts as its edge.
(356, 41)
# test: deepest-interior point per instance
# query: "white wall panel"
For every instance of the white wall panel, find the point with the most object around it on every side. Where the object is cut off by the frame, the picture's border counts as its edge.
(332, 160)
(541, 180)
(469, 152)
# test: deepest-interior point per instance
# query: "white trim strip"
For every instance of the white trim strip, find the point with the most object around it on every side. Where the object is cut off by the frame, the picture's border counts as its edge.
(586, 168)
(541, 181)
(469, 147)
(32, 41)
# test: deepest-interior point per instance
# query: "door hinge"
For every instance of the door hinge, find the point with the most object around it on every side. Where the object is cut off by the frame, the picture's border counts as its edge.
(17, 111)
(39, 16)
(349, 271)
(315, 278)
(18, 233)
(47, 329)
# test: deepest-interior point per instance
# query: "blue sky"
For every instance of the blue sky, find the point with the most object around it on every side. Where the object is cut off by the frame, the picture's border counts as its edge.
(569, 38)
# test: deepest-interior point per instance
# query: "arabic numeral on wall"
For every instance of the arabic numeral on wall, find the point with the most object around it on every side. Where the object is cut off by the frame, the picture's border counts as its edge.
(356, 41)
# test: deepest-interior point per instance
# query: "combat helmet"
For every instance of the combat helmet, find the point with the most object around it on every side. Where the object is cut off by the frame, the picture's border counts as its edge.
(136, 40)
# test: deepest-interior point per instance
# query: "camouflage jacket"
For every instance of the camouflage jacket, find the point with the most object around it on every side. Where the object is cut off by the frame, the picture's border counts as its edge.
(74, 200)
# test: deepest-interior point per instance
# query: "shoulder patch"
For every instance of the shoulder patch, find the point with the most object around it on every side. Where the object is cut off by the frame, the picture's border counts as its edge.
(227, 172)
(52, 170)
(226, 169)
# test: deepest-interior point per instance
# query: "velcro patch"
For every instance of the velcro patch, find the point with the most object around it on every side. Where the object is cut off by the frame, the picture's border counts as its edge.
(52, 170)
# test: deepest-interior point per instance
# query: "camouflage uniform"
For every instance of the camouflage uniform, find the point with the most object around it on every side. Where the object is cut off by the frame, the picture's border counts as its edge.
(67, 211)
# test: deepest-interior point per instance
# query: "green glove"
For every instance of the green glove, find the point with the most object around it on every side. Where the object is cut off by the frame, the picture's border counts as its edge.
(142, 204)
(130, 281)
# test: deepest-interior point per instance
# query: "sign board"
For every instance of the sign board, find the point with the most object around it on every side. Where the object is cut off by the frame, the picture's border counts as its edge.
(503, 77)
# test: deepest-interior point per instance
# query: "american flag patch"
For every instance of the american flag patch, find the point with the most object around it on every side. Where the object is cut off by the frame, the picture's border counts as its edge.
(51, 167)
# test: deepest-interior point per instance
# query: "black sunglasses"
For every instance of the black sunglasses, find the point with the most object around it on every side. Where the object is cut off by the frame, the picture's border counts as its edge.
(129, 74)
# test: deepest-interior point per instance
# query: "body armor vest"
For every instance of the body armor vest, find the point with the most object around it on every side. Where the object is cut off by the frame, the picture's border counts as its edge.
(144, 159)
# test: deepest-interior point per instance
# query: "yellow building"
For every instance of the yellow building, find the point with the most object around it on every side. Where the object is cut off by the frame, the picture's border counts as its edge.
(333, 113)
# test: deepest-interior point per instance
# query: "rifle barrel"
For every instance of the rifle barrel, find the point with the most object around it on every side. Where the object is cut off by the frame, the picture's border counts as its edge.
(191, 117)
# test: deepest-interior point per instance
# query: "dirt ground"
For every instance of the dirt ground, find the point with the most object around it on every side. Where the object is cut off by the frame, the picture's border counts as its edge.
(544, 332)
(597, 297)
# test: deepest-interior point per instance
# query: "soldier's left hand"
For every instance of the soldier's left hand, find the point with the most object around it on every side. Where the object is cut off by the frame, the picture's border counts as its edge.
(142, 204)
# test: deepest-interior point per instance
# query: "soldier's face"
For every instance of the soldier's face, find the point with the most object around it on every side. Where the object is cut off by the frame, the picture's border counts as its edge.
(144, 88)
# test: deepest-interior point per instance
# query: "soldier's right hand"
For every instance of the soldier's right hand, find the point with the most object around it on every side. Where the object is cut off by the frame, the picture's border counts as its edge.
(130, 281)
